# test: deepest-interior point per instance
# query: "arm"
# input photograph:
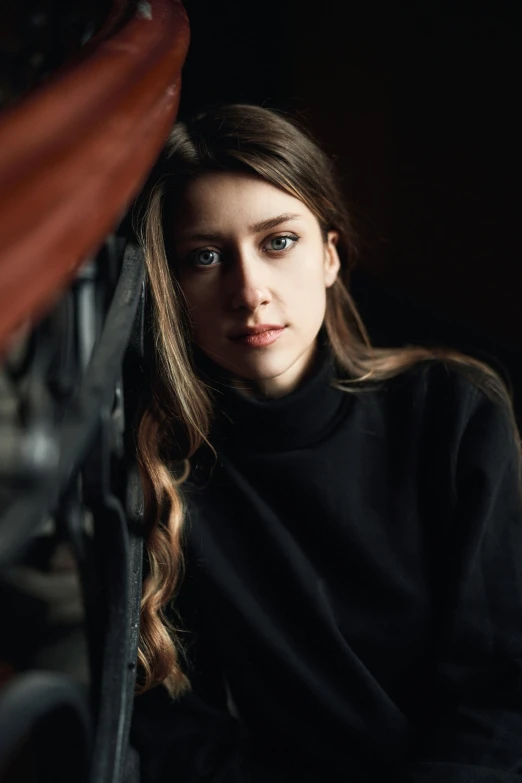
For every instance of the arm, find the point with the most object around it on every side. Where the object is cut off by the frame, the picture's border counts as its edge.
(476, 734)
(185, 741)
(195, 739)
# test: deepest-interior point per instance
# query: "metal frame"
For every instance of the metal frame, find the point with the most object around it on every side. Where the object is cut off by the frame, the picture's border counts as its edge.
(95, 470)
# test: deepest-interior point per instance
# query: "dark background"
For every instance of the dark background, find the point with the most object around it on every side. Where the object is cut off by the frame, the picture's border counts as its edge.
(420, 107)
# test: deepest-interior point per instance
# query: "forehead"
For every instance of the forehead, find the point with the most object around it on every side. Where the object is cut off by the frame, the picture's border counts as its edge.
(233, 198)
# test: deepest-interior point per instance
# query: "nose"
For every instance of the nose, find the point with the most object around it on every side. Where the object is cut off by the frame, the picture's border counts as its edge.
(249, 287)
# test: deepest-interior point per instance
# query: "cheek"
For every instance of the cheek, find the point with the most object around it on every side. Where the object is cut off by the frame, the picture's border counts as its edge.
(199, 298)
(200, 311)
(308, 293)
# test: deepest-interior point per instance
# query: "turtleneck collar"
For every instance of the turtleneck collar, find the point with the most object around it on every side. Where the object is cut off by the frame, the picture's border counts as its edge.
(295, 420)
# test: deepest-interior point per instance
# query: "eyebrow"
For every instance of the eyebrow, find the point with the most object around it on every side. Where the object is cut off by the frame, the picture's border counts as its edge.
(254, 228)
(265, 225)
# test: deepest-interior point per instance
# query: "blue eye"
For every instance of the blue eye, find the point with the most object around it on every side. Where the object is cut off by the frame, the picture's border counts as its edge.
(283, 242)
(204, 257)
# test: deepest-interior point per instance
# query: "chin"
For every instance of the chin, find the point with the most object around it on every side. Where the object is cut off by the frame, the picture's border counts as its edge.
(259, 370)
(259, 367)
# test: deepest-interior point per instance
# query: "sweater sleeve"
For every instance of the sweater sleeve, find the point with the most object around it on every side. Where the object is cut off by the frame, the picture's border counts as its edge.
(195, 738)
(191, 740)
(475, 735)
(187, 740)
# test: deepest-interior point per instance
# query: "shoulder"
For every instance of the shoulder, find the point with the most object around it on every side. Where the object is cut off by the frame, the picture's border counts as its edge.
(432, 382)
(463, 396)
(463, 384)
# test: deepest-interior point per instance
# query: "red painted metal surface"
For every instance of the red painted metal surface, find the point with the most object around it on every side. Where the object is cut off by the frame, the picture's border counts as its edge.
(74, 153)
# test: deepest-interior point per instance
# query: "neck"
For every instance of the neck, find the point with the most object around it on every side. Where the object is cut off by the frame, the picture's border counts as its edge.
(280, 385)
(298, 418)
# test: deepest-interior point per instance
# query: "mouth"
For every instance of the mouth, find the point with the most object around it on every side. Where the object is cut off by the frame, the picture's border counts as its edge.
(257, 336)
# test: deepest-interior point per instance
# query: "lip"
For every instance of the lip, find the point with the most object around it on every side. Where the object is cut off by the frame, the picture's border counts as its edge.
(248, 330)
(258, 336)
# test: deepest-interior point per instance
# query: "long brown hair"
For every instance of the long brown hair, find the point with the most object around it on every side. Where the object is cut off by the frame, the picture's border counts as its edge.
(176, 420)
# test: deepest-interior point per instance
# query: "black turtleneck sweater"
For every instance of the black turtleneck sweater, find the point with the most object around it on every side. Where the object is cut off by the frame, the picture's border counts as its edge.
(353, 593)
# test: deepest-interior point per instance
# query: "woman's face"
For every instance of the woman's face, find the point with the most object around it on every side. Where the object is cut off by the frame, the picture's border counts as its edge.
(254, 268)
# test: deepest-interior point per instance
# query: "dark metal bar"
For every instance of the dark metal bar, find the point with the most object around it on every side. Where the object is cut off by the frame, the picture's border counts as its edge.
(112, 549)
(78, 429)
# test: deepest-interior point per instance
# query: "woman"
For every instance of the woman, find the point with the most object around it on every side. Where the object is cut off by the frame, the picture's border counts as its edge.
(349, 518)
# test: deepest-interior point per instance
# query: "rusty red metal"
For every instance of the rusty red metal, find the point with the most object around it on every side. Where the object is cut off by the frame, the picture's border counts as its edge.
(74, 153)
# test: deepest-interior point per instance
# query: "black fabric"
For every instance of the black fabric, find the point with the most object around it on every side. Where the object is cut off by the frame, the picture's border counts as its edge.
(354, 578)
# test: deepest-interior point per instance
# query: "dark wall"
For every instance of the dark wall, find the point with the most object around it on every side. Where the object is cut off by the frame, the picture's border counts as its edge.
(239, 51)
(420, 108)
